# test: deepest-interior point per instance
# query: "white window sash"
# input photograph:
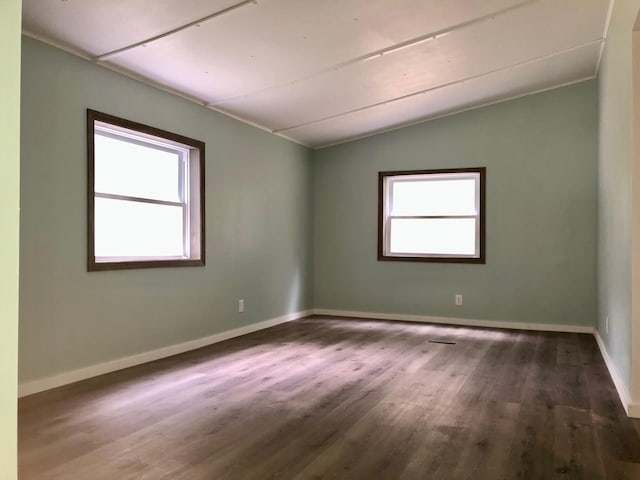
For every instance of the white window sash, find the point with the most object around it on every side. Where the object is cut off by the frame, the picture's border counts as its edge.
(121, 134)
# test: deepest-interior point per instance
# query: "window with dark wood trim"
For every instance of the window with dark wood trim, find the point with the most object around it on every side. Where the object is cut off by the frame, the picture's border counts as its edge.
(145, 196)
(432, 215)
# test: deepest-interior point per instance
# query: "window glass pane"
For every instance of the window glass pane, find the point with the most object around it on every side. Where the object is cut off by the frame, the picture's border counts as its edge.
(441, 236)
(126, 229)
(434, 197)
(126, 168)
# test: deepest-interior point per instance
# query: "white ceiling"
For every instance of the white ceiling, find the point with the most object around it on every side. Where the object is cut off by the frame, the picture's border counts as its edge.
(324, 71)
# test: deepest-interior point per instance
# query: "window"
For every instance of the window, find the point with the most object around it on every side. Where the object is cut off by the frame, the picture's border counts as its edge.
(432, 215)
(145, 196)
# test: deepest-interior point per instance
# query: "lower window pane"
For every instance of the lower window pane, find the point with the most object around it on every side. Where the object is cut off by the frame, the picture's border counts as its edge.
(135, 229)
(437, 236)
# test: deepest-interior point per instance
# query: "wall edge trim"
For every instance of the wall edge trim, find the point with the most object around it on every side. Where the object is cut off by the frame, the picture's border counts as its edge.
(72, 376)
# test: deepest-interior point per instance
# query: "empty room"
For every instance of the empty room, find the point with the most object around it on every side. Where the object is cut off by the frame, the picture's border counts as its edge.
(320, 239)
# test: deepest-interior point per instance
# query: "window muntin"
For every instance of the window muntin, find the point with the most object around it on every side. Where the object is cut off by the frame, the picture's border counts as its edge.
(432, 215)
(146, 201)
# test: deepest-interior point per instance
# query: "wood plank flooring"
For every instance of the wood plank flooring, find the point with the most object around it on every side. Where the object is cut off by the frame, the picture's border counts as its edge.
(327, 398)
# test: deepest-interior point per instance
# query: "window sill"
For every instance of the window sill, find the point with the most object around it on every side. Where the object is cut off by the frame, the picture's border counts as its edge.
(135, 264)
(393, 258)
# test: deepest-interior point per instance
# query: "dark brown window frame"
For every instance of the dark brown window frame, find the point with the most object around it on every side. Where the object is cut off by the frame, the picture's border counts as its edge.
(433, 259)
(92, 265)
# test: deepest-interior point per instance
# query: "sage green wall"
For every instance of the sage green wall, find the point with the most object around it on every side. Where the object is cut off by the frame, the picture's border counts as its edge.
(257, 216)
(541, 157)
(10, 24)
(615, 180)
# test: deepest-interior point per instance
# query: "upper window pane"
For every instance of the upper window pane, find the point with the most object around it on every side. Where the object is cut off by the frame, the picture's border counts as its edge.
(433, 197)
(125, 167)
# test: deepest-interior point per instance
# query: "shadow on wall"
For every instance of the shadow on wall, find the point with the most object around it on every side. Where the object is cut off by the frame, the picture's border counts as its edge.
(296, 302)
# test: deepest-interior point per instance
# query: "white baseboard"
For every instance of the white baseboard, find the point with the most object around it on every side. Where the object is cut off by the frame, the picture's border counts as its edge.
(467, 322)
(40, 385)
(632, 409)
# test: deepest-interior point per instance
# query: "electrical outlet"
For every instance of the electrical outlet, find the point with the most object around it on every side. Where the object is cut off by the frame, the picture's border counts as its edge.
(459, 299)
(240, 306)
(606, 324)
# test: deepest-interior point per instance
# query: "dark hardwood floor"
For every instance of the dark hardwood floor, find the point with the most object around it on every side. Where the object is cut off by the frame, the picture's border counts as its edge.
(324, 398)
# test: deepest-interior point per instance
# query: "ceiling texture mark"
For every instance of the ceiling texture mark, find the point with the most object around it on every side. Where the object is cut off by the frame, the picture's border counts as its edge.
(194, 23)
(437, 87)
(385, 51)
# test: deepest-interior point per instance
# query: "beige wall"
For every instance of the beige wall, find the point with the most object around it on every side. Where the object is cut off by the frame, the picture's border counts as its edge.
(9, 226)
